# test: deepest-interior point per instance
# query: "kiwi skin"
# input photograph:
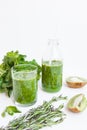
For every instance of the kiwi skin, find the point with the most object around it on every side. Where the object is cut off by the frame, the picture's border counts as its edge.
(74, 110)
(76, 84)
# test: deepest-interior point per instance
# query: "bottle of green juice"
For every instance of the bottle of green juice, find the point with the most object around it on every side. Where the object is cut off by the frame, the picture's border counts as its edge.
(52, 67)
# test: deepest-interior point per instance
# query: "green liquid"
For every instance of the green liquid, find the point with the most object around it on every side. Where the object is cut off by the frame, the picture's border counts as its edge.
(24, 90)
(52, 76)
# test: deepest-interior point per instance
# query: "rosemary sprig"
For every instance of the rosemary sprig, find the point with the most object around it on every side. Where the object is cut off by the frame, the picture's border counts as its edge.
(37, 118)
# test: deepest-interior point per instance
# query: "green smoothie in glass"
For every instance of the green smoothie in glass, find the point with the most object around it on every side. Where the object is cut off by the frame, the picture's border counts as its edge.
(24, 78)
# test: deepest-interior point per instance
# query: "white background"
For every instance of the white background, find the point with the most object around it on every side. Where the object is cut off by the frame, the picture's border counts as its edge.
(26, 25)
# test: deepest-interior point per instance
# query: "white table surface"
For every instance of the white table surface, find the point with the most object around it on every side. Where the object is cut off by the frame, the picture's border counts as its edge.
(26, 25)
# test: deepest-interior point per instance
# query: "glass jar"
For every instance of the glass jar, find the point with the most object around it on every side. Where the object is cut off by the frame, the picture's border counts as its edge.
(52, 67)
(24, 78)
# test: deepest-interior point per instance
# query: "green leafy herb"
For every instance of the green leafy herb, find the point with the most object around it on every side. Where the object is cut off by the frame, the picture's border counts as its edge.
(37, 118)
(10, 110)
(10, 59)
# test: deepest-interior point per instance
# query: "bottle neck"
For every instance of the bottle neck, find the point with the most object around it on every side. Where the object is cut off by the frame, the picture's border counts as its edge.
(53, 42)
(53, 51)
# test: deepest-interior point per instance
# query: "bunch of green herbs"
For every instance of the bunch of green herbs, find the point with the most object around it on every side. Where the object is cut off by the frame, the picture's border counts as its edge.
(10, 59)
(39, 117)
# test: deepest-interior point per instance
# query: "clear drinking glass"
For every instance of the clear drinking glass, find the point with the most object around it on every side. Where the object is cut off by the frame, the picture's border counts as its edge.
(24, 77)
(52, 66)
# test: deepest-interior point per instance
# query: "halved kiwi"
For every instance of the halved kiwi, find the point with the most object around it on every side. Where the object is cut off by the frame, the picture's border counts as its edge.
(77, 103)
(76, 82)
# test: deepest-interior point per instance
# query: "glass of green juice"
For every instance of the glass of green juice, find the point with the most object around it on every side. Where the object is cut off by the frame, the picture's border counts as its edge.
(24, 77)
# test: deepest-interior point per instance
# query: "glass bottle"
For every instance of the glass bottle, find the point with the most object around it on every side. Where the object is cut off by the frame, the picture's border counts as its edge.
(52, 67)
